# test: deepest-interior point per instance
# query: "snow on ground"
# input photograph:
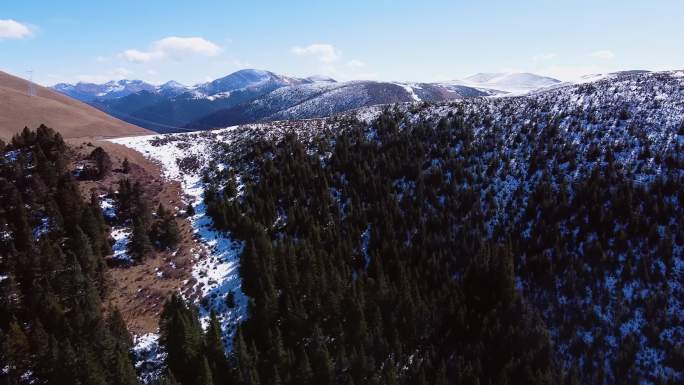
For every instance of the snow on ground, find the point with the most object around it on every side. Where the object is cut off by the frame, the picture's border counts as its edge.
(149, 358)
(121, 237)
(216, 267)
(43, 228)
(107, 206)
(410, 90)
(11, 156)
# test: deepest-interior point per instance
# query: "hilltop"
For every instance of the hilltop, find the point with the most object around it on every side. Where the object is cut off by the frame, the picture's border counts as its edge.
(70, 117)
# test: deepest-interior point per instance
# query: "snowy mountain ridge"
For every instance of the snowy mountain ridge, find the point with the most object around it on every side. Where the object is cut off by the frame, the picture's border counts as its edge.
(252, 95)
(508, 82)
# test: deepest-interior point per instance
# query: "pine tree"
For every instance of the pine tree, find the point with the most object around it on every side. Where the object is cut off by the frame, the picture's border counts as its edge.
(181, 335)
(230, 300)
(102, 161)
(140, 245)
(204, 377)
(215, 351)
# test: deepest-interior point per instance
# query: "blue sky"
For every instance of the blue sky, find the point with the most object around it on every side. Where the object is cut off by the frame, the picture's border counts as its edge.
(193, 41)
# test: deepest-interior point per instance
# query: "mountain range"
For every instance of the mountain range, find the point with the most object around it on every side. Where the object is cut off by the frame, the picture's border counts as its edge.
(256, 95)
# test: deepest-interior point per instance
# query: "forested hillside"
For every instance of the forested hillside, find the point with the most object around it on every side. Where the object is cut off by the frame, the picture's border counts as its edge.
(54, 327)
(532, 239)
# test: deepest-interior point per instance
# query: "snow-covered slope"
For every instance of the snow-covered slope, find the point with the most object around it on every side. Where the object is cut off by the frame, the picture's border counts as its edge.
(323, 99)
(508, 81)
(87, 92)
(632, 123)
(248, 78)
(216, 261)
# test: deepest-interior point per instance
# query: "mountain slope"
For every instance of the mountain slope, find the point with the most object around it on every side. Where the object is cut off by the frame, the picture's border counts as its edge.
(87, 92)
(510, 82)
(69, 117)
(579, 187)
(326, 98)
(248, 78)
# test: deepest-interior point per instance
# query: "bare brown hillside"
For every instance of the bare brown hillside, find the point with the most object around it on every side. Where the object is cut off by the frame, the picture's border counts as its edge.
(73, 119)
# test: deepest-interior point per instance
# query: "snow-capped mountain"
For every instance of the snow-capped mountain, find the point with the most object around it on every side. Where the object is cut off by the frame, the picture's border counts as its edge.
(252, 95)
(172, 88)
(87, 92)
(321, 99)
(510, 82)
(248, 79)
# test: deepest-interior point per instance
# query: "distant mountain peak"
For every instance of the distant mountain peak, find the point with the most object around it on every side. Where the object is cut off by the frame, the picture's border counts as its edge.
(515, 82)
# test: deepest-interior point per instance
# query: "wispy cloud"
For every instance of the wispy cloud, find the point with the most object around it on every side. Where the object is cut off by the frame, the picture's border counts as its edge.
(12, 29)
(356, 63)
(603, 54)
(173, 47)
(544, 56)
(325, 53)
(135, 56)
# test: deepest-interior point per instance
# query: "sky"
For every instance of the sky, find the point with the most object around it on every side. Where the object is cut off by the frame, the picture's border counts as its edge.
(401, 40)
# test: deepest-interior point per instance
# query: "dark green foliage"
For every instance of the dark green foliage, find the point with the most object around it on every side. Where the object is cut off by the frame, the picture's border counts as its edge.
(52, 248)
(103, 163)
(392, 252)
(165, 229)
(230, 300)
(133, 208)
(193, 357)
(357, 285)
(139, 245)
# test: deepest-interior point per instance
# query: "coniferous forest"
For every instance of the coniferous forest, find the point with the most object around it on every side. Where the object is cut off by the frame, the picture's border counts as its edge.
(54, 328)
(381, 255)
(374, 290)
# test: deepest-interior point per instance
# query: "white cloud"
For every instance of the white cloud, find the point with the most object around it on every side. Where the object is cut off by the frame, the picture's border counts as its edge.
(135, 56)
(544, 56)
(325, 53)
(12, 29)
(180, 47)
(355, 63)
(603, 54)
(173, 47)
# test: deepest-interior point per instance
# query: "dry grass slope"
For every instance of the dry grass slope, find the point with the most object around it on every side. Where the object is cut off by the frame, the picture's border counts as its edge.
(70, 117)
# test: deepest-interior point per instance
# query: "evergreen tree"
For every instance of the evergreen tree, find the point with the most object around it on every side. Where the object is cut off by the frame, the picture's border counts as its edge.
(140, 245)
